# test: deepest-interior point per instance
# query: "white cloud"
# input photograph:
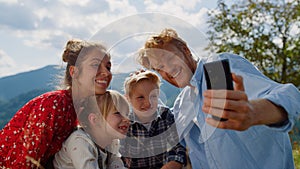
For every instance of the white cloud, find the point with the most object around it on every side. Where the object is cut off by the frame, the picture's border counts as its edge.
(43, 39)
(49, 24)
(121, 6)
(9, 67)
(124, 63)
(71, 18)
(16, 17)
(43, 13)
(9, 2)
(192, 13)
(191, 5)
(6, 61)
(74, 2)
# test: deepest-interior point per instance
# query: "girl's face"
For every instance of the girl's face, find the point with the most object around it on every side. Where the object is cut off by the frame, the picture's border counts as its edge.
(95, 75)
(173, 66)
(144, 100)
(118, 124)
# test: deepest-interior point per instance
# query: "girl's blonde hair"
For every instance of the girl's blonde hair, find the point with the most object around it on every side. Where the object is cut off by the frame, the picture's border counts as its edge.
(110, 101)
(135, 78)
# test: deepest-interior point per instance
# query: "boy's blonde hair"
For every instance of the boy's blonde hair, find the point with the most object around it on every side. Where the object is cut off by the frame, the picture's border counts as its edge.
(135, 78)
(105, 103)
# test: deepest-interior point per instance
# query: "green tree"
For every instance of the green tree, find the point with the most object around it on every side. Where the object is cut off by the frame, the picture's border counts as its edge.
(265, 32)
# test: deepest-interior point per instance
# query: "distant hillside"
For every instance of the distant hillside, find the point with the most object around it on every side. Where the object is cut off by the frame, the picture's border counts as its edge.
(8, 109)
(18, 89)
(11, 86)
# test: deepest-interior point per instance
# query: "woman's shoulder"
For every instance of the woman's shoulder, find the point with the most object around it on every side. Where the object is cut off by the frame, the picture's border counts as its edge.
(56, 93)
(53, 95)
(52, 100)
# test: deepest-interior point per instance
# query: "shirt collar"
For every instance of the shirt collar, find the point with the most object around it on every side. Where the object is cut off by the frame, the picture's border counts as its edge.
(135, 119)
(198, 75)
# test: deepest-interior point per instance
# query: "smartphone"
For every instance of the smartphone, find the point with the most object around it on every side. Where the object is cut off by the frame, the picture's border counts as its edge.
(218, 76)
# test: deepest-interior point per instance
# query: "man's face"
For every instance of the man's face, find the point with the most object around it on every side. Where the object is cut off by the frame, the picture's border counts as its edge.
(172, 65)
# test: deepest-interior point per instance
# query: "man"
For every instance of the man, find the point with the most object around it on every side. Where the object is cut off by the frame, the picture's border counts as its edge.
(260, 112)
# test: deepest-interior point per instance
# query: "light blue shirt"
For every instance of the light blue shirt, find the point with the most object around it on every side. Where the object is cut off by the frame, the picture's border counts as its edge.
(259, 147)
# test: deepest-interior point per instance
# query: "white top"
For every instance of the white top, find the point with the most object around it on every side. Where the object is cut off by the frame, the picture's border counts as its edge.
(79, 151)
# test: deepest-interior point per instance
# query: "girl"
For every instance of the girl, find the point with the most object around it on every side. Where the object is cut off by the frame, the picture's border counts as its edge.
(38, 129)
(93, 145)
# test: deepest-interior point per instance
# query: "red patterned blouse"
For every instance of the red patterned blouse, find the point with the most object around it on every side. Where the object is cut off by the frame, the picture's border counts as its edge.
(37, 130)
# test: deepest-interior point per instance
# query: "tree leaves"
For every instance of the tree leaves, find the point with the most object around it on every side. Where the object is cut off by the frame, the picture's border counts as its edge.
(265, 32)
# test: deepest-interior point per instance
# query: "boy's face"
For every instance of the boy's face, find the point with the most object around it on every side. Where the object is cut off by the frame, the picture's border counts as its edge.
(144, 99)
(172, 65)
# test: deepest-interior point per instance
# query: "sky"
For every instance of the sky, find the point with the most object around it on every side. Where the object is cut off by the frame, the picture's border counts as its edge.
(34, 32)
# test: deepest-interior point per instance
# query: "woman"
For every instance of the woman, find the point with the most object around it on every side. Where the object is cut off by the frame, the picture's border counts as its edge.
(38, 129)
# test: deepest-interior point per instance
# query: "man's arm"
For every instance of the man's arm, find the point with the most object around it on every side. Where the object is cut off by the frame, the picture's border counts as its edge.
(240, 112)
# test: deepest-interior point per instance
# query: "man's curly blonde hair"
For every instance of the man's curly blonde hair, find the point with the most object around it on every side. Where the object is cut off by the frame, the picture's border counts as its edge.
(166, 37)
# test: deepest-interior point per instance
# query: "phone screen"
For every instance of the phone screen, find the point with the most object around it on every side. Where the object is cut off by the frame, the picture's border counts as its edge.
(218, 76)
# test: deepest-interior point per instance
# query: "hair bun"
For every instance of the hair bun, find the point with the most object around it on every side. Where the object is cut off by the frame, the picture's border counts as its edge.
(72, 46)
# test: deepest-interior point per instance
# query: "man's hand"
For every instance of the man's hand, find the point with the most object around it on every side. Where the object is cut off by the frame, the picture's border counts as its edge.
(240, 112)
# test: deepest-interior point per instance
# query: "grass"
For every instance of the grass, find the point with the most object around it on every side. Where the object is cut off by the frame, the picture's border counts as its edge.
(296, 154)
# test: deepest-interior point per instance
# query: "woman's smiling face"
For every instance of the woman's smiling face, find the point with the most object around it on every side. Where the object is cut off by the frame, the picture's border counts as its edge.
(96, 73)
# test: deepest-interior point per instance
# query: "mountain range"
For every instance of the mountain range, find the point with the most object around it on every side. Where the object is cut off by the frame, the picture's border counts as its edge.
(18, 89)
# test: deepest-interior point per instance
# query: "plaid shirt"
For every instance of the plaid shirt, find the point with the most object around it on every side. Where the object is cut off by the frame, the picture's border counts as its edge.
(153, 147)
